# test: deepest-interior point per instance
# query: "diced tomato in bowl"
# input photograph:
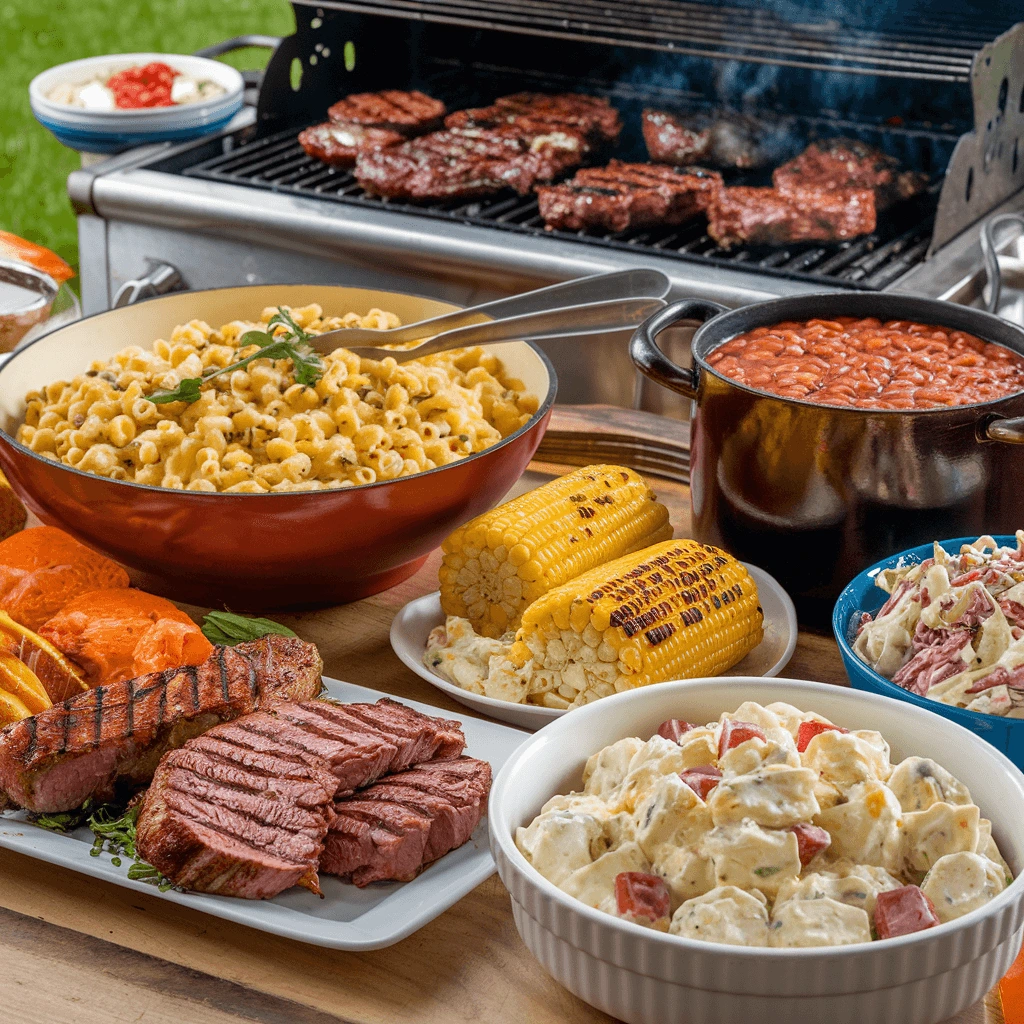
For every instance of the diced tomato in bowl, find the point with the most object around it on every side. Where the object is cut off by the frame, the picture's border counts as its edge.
(903, 911)
(808, 730)
(638, 894)
(735, 733)
(674, 728)
(702, 779)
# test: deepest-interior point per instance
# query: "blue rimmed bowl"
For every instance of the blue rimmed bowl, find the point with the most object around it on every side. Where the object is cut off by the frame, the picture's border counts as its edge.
(861, 595)
(111, 131)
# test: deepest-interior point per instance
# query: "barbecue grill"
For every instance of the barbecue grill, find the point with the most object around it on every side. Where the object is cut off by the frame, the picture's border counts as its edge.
(943, 90)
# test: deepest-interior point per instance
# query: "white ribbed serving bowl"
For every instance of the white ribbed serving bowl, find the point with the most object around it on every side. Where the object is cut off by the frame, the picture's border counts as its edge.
(639, 975)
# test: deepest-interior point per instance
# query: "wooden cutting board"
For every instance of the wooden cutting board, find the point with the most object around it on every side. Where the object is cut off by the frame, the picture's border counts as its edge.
(80, 951)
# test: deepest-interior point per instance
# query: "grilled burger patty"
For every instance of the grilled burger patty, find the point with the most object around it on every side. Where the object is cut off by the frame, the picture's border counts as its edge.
(243, 810)
(106, 743)
(623, 195)
(340, 144)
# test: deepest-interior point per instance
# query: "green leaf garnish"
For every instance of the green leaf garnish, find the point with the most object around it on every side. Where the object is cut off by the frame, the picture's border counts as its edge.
(115, 832)
(64, 821)
(228, 629)
(307, 365)
(766, 872)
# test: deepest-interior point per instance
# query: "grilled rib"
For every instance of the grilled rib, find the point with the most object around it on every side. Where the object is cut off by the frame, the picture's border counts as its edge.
(106, 743)
(623, 195)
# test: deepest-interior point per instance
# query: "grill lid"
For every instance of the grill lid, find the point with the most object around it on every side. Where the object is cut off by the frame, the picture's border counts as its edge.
(931, 47)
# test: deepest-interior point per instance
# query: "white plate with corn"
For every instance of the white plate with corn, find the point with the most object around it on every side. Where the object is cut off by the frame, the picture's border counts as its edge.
(574, 591)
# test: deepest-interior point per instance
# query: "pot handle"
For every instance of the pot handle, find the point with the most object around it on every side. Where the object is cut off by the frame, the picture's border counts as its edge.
(1009, 431)
(651, 361)
(989, 252)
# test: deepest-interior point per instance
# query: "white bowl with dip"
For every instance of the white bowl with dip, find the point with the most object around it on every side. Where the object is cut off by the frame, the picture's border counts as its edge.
(640, 975)
(113, 130)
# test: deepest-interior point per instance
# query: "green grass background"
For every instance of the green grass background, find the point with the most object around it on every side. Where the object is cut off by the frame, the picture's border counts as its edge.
(36, 34)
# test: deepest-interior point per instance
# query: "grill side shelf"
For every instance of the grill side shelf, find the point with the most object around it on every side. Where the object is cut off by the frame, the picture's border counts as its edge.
(277, 163)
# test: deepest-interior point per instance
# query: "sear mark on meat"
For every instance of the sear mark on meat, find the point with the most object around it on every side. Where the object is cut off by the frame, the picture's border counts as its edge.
(339, 144)
(536, 113)
(408, 113)
(106, 743)
(850, 163)
(768, 216)
(624, 195)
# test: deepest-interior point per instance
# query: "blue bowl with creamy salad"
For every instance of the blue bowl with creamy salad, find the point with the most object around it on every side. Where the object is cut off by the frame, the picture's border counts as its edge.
(996, 714)
(74, 103)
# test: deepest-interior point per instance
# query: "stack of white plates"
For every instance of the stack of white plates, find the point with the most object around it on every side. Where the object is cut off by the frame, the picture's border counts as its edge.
(110, 131)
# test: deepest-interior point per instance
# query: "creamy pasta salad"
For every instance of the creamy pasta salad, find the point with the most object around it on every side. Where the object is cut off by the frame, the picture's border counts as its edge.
(258, 429)
(769, 827)
(953, 628)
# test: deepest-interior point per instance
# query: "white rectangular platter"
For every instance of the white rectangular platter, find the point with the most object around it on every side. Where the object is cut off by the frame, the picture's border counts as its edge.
(347, 917)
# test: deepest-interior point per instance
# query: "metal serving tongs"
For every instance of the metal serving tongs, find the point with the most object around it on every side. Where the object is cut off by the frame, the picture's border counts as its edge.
(591, 305)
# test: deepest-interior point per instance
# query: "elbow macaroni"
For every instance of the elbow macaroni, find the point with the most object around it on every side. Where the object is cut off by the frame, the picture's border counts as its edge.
(256, 430)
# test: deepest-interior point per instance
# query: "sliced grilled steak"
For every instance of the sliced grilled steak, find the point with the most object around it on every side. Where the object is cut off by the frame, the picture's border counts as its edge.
(340, 144)
(535, 113)
(770, 216)
(849, 163)
(393, 829)
(105, 743)
(222, 818)
(623, 195)
(410, 113)
(722, 139)
(468, 162)
(358, 742)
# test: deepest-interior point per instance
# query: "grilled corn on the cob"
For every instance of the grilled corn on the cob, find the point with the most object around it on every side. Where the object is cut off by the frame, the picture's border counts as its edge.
(500, 562)
(676, 610)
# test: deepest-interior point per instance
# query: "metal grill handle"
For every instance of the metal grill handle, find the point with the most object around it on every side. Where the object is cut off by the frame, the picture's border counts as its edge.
(990, 252)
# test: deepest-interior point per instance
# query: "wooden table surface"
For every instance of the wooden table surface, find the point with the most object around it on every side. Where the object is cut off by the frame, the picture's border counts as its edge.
(74, 949)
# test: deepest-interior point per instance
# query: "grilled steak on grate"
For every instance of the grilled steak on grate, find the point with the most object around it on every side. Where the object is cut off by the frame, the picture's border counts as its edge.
(850, 163)
(243, 809)
(768, 216)
(105, 743)
(392, 830)
(410, 113)
(534, 112)
(468, 162)
(623, 195)
(339, 144)
(723, 139)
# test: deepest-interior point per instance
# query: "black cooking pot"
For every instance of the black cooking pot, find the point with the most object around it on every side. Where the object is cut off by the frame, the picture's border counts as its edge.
(816, 493)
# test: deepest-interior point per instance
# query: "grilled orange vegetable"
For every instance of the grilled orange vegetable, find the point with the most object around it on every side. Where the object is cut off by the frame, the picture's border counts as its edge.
(498, 563)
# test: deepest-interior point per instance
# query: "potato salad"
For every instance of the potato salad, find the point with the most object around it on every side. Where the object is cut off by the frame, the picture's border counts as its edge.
(769, 827)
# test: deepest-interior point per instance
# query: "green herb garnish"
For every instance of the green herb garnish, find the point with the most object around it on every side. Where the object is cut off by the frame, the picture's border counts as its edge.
(63, 821)
(116, 833)
(228, 629)
(766, 872)
(294, 345)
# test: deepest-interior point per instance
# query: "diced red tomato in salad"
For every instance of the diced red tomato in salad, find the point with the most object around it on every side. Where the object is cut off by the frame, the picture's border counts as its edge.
(902, 911)
(639, 894)
(701, 779)
(735, 733)
(808, 730)
(148, 86)
(811, 840)
(673, 728)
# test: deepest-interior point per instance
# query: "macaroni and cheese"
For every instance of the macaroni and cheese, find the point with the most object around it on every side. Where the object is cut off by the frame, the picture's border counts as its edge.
(769, 827)
(256, 430)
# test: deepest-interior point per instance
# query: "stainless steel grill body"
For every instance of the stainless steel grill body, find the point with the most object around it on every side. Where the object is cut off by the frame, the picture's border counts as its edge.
(251, 207)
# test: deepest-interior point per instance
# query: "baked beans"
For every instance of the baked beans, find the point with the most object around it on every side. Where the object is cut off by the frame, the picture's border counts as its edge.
(868, 364)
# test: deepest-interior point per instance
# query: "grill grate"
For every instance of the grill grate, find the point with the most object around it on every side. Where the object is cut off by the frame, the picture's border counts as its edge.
(279, 164)
(924, 50)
